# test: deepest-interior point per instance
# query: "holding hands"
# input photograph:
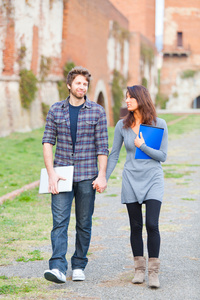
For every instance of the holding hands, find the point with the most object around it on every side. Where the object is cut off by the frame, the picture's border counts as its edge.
(100, 184)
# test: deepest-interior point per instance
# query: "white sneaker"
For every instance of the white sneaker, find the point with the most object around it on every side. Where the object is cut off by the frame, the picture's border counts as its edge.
(55, 275)
(78, 275)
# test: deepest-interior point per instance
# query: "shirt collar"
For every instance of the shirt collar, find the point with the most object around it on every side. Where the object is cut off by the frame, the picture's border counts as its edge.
(86, 103)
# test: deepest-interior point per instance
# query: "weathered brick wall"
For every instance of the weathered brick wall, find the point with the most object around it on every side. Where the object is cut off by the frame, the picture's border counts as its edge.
(81, 31)
(141, 16)
(180, 16)
(63, 31)
(86, 42)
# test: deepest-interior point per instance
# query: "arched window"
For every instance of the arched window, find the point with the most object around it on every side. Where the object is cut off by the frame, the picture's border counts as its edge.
(196, 102)
(100, 100)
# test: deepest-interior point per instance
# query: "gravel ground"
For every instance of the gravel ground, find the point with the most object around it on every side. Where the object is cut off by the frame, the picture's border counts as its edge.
(110, 268)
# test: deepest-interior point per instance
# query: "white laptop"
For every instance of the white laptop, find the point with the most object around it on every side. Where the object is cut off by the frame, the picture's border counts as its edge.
(63, 185)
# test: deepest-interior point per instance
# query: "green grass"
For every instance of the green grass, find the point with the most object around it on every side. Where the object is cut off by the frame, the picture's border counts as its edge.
(26, 221)
(169, 117)
(187, 125)
(21, 159)
(21, 156)
(29, 288)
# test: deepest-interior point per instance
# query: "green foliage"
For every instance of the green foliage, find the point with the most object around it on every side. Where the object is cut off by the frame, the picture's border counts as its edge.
(62, 86)
(175, 94)
(118, 84)
(45, 109)
(147, 54)
(27, 87)
(62, 90)
(67, 67)
(188, 73)
(45, 66)
(120, 33)
(21, 55)
(144, 82)
(161, 101)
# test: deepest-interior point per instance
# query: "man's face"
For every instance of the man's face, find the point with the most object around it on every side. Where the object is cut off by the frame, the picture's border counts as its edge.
(78, 87)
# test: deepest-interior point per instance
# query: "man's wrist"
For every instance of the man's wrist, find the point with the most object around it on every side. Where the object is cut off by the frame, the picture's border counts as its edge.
(102, 174)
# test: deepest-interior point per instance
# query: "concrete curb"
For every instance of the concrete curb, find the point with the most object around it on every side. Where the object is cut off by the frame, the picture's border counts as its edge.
(15, 193)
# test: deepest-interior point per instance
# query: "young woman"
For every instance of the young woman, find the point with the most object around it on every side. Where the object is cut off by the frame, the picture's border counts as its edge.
(142, 179)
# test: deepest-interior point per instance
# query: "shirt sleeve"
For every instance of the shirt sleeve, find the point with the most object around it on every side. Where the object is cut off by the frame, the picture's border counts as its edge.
(50, 129)
(114, 155)
(161, 154)
(101, 135)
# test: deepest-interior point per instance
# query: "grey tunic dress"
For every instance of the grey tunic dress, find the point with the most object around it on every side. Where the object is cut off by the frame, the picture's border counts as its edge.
(142, 179)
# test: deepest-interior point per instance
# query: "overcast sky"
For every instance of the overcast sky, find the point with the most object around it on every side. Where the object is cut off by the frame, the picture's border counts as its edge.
(159, 16)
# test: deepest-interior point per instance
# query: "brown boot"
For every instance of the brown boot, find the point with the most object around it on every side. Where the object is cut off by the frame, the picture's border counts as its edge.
(153, 269)
(140, 267)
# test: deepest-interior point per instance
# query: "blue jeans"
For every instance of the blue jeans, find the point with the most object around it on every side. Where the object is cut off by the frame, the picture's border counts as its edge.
(61, 210)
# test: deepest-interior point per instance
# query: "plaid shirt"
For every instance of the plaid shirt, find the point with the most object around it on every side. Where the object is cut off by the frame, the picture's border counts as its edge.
(91, 137)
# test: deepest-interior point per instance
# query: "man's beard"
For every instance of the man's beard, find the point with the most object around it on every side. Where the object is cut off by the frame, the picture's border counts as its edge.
(76, 95)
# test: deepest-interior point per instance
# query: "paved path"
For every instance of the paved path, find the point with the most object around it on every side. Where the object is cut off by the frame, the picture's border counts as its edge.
(110, 269)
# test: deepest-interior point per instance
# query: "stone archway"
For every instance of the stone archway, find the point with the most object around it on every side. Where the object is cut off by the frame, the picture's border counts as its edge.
(100, 100)
(196, 102)
(100, 97)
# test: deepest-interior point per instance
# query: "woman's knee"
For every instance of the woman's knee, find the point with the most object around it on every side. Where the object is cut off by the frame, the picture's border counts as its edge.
(152, 227)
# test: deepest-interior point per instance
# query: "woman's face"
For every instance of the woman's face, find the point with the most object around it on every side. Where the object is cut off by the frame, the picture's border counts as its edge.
(131, 103)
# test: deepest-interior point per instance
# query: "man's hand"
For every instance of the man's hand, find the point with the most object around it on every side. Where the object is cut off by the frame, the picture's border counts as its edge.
(53, 182)
(100, 184)
(139, 141)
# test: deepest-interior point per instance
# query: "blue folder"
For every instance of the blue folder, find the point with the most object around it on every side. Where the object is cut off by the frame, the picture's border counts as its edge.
(153, 138)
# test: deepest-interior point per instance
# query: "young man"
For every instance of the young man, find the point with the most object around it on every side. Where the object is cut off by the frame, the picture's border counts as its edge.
(80, 128)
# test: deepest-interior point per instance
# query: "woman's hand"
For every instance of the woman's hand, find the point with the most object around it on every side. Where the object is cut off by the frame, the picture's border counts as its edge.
(139, 141)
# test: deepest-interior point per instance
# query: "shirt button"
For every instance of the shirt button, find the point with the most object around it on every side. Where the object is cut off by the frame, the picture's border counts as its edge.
(72, 154)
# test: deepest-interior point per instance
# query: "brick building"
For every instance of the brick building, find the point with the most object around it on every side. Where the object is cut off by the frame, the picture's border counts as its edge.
(43, 36)
(142, 65)
(180, 73)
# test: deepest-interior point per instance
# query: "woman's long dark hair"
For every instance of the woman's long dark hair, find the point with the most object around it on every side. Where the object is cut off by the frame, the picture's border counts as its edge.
(145, 106)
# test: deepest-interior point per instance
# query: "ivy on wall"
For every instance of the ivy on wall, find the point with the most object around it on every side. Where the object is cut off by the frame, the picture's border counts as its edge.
(118, 84)
(161, 101)
(188, 73)
(45, 66)
(144, 82)
(45, 109)
(27, 87)
(120, 33)
(21, 56)
(147, 54)
(61, 84)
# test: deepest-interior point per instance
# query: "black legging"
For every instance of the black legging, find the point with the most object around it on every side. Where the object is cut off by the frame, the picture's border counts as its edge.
(136, 224)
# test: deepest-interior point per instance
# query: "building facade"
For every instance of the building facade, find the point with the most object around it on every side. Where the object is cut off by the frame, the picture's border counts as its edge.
(180, 73)
(45, 35)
